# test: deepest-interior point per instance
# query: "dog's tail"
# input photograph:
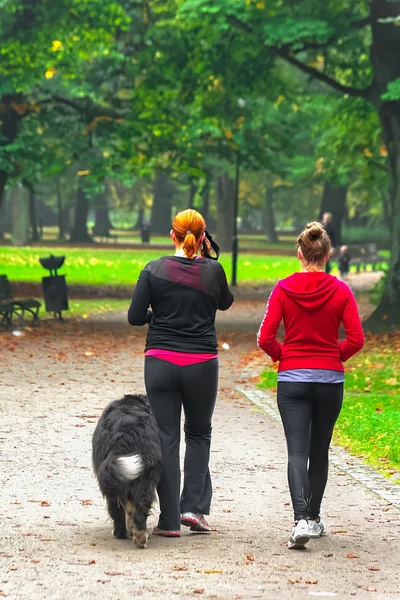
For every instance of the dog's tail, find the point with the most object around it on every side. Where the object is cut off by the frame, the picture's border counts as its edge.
(116, 471)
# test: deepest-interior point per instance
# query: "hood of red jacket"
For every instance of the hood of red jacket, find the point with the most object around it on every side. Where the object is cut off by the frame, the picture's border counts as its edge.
(310, 290)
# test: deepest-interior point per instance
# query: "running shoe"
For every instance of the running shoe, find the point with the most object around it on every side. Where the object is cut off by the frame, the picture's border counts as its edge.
(166, 533)
(316, 528)
(195, 521)
(299, 536)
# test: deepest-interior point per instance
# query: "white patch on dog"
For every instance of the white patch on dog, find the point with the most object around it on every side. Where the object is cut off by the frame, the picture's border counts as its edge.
(130, 467)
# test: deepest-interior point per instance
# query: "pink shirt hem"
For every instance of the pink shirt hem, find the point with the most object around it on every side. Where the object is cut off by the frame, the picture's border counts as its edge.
(181, 359)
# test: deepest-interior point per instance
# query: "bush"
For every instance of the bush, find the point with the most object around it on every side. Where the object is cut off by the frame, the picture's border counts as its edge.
(367, 235)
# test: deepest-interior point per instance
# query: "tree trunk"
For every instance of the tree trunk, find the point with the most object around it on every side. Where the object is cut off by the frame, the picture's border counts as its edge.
(80, 231)
(102, 224)
(60, 212)
(11, 113)
(385, 50)
(205, 193)
(225, 189)
(3, 181)
(270, 225)
(334, 202)
(139, 221)
(32, 214)
(20, 215)
(163, 193)
(192, 193)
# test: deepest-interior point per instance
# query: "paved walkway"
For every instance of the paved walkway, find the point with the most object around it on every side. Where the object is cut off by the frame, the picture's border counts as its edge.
(56, 540)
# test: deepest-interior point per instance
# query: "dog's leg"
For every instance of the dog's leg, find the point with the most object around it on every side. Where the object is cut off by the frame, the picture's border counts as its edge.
(117, 514)
(143, 507)
(130, 512)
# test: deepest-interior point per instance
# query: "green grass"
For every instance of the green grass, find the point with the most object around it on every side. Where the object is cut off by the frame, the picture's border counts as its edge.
(87, 308)
(369, 423)
(99, 266)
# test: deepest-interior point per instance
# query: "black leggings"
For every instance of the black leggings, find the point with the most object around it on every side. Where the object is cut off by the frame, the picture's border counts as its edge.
(309, 412)
(194, 387)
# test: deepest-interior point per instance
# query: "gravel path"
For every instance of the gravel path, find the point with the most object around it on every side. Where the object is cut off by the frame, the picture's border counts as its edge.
(56, 540)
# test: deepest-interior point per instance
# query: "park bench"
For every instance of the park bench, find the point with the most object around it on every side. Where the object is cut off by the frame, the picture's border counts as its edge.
(104, 235)
(366, 255)
(10, 306)
(363, 256)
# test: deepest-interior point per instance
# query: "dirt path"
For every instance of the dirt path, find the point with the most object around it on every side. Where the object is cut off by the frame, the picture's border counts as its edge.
(56, 541)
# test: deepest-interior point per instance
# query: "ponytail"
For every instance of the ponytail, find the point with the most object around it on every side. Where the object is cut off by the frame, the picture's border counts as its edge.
(189, 245)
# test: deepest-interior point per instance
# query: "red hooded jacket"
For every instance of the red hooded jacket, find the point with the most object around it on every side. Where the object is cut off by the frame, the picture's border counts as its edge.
(312, 306)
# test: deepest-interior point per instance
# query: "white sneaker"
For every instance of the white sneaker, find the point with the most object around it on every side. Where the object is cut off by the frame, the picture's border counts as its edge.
(316, 529)
(299, 536)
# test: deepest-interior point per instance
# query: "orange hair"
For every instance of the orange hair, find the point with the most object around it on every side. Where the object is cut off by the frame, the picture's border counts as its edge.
(188, 227)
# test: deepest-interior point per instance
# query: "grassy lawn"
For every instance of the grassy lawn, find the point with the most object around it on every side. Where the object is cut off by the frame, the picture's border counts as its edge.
(86, 308)
(369, 424)
(122, 267)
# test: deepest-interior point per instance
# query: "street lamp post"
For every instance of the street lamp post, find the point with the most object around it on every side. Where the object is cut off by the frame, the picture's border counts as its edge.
(235, 240)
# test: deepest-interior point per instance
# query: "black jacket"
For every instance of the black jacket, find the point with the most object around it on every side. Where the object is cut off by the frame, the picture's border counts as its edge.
(184, 295)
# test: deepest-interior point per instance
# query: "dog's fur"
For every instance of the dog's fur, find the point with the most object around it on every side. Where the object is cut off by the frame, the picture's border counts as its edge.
(126, 457)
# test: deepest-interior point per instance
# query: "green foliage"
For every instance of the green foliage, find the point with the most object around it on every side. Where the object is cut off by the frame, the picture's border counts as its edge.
(393, 92)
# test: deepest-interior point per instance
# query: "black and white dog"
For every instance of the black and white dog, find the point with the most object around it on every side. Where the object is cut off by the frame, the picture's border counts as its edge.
(126, 457)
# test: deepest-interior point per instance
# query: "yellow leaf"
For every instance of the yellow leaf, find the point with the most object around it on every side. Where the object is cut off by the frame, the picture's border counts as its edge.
(295, 107)
(228, 134)
(383, 150)
(85, 172)
(50, 72)
(319, 165)
(367, 153)
(278, 101)
(57, 45)
(84, 316)
(391, 381)
(260, 5)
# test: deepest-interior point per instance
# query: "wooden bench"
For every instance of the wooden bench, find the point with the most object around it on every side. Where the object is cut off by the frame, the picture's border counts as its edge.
(19, 307)
(104, 235)
(362, 255)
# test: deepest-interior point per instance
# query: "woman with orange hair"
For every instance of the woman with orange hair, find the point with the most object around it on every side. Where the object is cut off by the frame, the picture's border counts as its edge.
(184, 292)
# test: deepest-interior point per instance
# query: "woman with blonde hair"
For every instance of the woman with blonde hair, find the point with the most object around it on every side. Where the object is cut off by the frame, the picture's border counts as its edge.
(312, 306)
(184, 292)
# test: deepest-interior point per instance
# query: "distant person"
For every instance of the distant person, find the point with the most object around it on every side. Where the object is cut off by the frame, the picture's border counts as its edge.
(184, 292)
(312, 305)
(344, 262)
(327, 225)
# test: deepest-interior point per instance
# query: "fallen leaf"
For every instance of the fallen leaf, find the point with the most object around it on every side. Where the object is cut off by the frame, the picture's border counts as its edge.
(179, 568)
(250, 558)
(89, 353)
(352, 556)
(44, 503)
(86, 502)
(370, 589)
(199, 591)
(92, 562)
(328, 555)
(114, 573)
(35, 560)
(210, 571)
(312, 581)
(373, 569)
(295, 580)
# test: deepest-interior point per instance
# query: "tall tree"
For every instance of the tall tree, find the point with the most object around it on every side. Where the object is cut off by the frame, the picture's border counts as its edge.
(330, 43)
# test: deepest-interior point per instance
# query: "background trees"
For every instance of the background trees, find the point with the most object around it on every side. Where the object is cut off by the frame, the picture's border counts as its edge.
(146, 106)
